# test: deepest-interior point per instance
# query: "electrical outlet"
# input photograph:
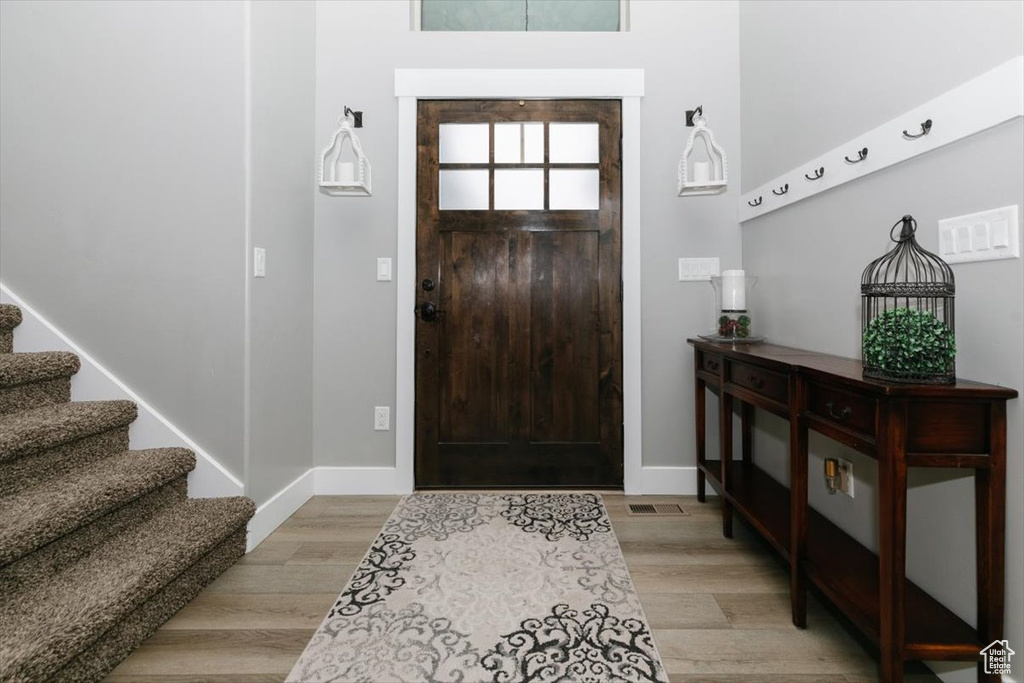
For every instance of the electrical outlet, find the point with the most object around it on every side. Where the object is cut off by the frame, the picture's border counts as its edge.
(845, 477)
(381, 418)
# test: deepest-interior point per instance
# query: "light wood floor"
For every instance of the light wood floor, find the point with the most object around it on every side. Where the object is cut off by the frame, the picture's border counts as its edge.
(718, 608)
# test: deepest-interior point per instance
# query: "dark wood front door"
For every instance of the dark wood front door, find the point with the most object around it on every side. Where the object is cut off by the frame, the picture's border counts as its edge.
(519, 330)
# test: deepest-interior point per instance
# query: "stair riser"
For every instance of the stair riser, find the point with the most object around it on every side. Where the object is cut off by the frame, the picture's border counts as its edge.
(117, 643)
(6, 341)
(67, 550)
(35, 395)
(28, 533)
(31, 470)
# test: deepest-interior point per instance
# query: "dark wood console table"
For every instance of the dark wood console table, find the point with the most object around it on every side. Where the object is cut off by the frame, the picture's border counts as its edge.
(900, 426)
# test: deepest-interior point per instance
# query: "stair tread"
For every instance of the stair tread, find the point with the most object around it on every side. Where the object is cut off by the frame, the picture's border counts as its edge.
(52, 508)
(72, 609)
(30, 431)
(10, 316)
(22, 368)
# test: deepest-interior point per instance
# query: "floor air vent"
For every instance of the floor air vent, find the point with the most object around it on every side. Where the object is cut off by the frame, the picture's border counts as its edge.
(656, 509)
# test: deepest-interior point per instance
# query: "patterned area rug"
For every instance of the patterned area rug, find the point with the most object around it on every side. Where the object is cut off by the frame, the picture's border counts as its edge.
(488, 587)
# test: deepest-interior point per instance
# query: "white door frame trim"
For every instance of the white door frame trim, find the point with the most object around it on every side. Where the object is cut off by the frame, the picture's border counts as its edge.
(414, 84)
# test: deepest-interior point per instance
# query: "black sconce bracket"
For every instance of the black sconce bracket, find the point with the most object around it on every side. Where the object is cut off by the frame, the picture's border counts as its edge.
(356, 115)
(690, 113)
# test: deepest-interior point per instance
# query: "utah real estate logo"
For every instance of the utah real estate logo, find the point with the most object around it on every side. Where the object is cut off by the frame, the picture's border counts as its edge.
(997, 657)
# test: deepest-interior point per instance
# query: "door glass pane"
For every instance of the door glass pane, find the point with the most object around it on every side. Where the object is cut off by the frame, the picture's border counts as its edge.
(573, 143)
(517, 143)
(463, 190)
(574, 189)
(464, 143)
(519, 188)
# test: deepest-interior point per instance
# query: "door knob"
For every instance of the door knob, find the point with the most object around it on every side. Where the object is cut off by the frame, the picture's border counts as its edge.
(428, 311)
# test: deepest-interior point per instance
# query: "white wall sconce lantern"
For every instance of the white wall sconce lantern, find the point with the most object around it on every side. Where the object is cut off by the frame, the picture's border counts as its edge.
(703, 168)
(344, 170)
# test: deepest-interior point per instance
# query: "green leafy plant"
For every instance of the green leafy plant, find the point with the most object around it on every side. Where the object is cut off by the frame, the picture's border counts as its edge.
(734, 327)
(907, 341)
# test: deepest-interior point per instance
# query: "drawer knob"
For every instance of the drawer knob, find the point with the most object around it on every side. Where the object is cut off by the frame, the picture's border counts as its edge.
(755, 381)
(842, 414)
(713, 364)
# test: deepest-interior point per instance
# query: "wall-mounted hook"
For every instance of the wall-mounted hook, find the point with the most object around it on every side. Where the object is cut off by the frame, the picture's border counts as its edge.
(926, 128)
(690, 113)
(357, 117)
(861, 156)
(756, 202)
(817, 174)
(781, 191)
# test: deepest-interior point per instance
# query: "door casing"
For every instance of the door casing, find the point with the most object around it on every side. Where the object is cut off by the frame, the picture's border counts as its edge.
(411, 85)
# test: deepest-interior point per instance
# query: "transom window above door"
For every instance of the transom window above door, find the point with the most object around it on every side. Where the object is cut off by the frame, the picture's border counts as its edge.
(520, 15)
(519, 166)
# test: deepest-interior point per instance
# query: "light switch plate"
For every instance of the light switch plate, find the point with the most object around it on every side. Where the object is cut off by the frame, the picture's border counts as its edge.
(696, 269)
(383, 270)
(984, 236)
(259, 262)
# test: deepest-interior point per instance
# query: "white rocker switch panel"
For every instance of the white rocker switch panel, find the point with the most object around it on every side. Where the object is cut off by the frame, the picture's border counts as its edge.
(984, 236)
(695, 269)
(383, 270)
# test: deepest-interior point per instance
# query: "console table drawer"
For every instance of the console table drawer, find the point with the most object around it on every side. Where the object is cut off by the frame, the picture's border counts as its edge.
(847, 409)
(710, 362)
(765, 382)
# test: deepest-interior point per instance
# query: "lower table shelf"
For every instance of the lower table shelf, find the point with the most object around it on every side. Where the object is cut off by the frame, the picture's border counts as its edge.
(843, 569)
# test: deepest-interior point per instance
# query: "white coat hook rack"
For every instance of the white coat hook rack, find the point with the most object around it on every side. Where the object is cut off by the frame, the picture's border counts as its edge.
(344, 170)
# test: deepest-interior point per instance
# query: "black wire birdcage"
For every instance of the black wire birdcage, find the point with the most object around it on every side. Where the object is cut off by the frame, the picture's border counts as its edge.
(907, 330)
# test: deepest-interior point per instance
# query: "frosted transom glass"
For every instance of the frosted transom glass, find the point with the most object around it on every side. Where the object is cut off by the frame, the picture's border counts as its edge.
(519, 189)
(461, 190)
(519, 15)
(519, 143)
(574, 189)
(573, 143)
(464, 143)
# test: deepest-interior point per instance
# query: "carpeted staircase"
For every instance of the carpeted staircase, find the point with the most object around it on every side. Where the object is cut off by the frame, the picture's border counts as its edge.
(99, 545)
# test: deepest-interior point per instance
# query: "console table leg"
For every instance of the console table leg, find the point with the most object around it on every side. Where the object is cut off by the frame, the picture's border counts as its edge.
(747, 422)
(700, 417)
(798, 520)
(725, 428)
(892, 543)
(990, 522)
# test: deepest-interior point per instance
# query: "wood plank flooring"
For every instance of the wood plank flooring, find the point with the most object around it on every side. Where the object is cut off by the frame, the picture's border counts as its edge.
(718, 608)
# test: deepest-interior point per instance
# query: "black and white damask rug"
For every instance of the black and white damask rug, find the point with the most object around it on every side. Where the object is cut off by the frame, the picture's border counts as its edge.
(473, 587)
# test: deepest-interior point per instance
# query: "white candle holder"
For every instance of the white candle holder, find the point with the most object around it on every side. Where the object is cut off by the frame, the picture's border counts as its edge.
(343, 169)
(713, 176)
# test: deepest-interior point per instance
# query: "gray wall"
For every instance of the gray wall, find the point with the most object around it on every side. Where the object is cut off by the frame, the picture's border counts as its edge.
(122, 195)
(845, 71)
(817, 73)
(691, 57)
(126, 207)
(283, 79)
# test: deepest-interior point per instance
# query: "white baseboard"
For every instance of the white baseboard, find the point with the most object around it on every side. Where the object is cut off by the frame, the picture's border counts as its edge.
(93, 382)
(355, 481)
(320, 481)
(661, 481)
(280, 507)
(385, 481)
